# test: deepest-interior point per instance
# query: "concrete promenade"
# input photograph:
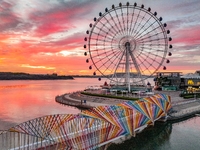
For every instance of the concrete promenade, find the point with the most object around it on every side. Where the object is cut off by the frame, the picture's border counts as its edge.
(74, 99)
(180, 107)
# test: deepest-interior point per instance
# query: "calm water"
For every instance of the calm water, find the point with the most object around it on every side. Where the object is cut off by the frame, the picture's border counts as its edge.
(24, 100)
(183, 135)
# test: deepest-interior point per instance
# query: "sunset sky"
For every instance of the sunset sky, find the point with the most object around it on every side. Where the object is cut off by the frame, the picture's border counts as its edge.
(47, 36)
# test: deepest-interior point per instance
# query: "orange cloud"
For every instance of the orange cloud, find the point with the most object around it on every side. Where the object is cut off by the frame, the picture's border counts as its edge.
(37, 37)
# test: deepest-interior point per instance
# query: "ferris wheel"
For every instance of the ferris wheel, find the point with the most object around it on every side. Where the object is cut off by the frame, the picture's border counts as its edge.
(127, 44)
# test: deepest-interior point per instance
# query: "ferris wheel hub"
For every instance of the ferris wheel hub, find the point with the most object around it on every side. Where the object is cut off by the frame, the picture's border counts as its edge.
(127, 44)
(125, 40)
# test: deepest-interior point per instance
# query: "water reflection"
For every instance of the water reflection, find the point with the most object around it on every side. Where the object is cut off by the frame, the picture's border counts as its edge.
(25, 100)
(33, 99)
(150, 139)
(183, 135)
(22, 100)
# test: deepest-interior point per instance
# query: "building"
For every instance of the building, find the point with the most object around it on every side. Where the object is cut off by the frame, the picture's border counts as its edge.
(192, 81)
(168, 81)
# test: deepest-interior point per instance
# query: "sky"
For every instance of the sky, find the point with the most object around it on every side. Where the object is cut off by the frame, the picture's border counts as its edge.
(47, 36)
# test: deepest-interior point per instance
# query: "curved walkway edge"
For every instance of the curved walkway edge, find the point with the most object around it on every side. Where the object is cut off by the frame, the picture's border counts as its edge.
(181, 108)
(67, 99)
(184, 110)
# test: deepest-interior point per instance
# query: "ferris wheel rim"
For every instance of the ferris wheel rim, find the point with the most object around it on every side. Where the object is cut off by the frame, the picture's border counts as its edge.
(112, 40)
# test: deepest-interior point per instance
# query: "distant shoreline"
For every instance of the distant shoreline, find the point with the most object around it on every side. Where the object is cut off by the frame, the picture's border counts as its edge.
(26, 76)
(36, 79)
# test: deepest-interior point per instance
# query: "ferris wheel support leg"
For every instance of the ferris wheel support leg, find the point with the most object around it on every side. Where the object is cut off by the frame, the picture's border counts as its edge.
(127, 70)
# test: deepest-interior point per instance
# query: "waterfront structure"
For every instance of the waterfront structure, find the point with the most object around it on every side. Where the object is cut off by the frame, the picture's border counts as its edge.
(168, 81)
(192, 81)
(89, 129)
(176, 81)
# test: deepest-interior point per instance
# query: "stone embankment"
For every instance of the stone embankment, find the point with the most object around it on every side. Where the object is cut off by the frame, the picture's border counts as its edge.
(182, 108)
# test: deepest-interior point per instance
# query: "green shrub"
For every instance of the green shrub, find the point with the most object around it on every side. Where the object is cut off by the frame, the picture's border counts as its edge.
(188, 96)
(110, 96)
(191, 95)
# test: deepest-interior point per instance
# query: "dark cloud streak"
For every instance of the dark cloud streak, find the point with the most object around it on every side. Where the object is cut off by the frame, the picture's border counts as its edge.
(9, 20)
(60, 18)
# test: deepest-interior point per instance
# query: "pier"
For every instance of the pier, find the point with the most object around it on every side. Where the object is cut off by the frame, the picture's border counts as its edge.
(89, 129)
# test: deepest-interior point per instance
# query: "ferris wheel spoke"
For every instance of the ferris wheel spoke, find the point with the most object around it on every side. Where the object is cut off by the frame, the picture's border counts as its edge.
(143, 63)
(137, 30)
(152, 54)
(145, 59)
(148, 33)
(100, 45)
(106, 62)
(146, 29)
(108, 54)
(152, 35)
(154, 40)
(112, 64)
(127, 20)
(112, 27)
(136, 22)
(106, 32)
(121, 29)
(100, 48)
(139, 33)
(104, 49)
(150, 45)
(147, 56)
(152, 49)
(156, 49)
(115, 24)
(123, 21)
(101, 35)
(100, 42)
(132, 16)
(99, 53)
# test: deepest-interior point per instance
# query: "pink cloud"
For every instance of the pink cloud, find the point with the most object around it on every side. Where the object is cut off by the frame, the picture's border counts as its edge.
(187, 35)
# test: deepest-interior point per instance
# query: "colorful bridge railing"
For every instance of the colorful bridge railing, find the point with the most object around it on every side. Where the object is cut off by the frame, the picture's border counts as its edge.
(89, 129)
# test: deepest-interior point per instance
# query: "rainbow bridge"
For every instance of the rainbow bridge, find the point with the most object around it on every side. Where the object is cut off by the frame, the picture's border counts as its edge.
(88, 130)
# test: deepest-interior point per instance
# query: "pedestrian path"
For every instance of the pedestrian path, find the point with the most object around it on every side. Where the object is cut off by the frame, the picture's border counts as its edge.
(180, 107)
(184, 109)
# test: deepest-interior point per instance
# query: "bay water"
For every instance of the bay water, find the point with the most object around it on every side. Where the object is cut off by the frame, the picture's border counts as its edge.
(23, 100)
